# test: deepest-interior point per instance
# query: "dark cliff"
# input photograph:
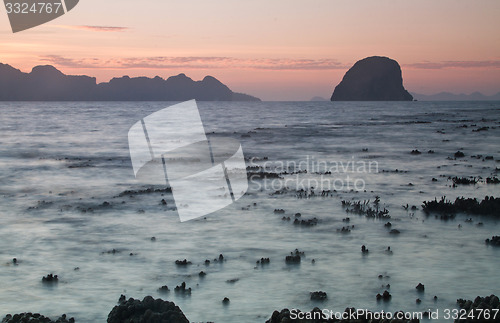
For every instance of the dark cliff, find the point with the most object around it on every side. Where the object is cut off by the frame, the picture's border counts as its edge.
(372, 79)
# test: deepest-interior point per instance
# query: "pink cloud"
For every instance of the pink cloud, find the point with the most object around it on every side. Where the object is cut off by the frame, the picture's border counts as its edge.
(96, 28)
(197, 62)
(454, 64)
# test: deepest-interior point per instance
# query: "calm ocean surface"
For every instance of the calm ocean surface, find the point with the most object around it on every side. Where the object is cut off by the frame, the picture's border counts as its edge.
(59, 162)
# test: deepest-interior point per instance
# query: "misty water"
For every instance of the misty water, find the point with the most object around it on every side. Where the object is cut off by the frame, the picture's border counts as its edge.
(60, 163)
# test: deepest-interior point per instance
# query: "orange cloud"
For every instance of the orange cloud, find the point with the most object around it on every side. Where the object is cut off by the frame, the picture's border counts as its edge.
(95, 28)
(196, 62)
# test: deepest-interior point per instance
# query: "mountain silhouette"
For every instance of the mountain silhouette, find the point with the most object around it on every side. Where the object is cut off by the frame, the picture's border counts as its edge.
(447, 96)
(318, 98)
(373, 78)
(46, 83)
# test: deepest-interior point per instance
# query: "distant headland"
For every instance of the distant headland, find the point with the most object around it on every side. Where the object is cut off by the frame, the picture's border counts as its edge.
(46, 83)
(447, 96)
(373, 78)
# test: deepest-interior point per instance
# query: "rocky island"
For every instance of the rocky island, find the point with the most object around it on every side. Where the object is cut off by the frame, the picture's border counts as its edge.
(372, 79)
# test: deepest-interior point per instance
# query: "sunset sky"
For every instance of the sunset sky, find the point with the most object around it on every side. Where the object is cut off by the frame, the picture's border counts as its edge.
(273, 49)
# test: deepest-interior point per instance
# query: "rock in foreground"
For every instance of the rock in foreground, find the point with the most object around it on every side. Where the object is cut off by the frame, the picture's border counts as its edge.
(482, 309)
(372, 79)
(317, 316)
(34, 318)
(147, 310)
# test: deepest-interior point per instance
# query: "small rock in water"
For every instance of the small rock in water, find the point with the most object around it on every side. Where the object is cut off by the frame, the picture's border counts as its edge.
(225, 301)
(308, 222)
(420, 287)
(263, 261)
(163, 289)
(345, 229)
(318, 296)
(494, 241)
(385, 296)
(112, 251)
(182, 289)
(184, 262)
(292, 259)
(50, 278)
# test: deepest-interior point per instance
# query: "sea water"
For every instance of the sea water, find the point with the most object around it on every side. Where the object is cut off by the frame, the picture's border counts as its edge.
(60, 163)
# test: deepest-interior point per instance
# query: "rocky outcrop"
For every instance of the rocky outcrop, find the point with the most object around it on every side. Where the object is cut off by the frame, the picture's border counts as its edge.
(482, 309)
(372, 79)
(147, 310)
(34, 318)
(46, 83)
